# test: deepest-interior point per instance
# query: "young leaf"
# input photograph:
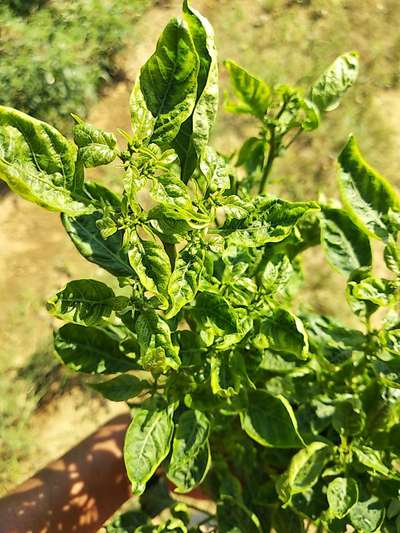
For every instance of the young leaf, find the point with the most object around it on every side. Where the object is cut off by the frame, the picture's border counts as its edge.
(283, 332)
(121, 388)
(190, 458)
(253, 95)
(235, 517)
(342, 494)
(392, 255)
(367, 196)
(152, 266)
(185, 278)
(165, 93)
(372, 460)
(193, 137)
(334, 82)
(147, 443)
(270, 421)
(213, 314)
(85, 301)
(90, 350)
(157, 353)
(346, 246)
(87, 238)
(367, 515)
(96, 146)
(228, 372)
(38, 163)
(379, 291)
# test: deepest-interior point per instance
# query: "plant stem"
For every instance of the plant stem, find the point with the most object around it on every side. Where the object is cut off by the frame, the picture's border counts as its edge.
(268, 164)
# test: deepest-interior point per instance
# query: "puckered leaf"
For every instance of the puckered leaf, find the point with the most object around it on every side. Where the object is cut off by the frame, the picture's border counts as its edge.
(190, 458)
(283, 332)
(252, 94)
(166, 90)
(90, 350)
(342, 495)
(346, 246)
(392, 256)
(121, 388)
(367, 196)
(107, 253)
(185, 278)
(367, 515)
(195, 131)
(38, 163)
(96, 146)
(304, 470)
(373, 461)
(270, 421)
(157, 353)
(214, 316)
(335, 81)
(85, 301)
(228, 373)
(152, 266)
(147, 442)
(270, 220)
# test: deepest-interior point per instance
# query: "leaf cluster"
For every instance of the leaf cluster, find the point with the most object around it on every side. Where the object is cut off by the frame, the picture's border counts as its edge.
(282, 414)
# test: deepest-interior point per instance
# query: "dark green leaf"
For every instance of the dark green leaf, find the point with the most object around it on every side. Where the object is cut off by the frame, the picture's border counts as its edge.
(147, 443)
(90, 350)
(270, 421)
(121, 388)
(190, 458)
(108, 253)
(348, 419)
(234, 517)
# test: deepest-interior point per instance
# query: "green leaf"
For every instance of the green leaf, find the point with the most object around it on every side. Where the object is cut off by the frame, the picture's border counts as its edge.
(283, 332)
(362, 308)
(286, 521)
(152, 265)
(348, 419)
(305, 469)
(85, 301)
(96, 146)
(147, 443)
(184, 281)
(193, 137)
(215, 171)
(38, 163)
(87, 238)
(235, 517)
(228, 372)
(372, 460)
(270, 220)
(169, 189)
(388, 372)
(165, 93)
(270, 421)
(392, 255)
(90, 350)
(367, 515)
(157, 353)
(121, 388)
(346, 246)
(253, 95)
(214, 316)
(190, 458)
(368, 197)
(335, 81)
(342, 494)
(379, 291)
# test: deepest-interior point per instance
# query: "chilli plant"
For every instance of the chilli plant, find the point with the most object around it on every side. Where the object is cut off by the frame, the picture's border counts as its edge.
(287, 418)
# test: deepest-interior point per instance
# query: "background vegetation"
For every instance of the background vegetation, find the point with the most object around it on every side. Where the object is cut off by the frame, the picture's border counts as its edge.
(54, 59)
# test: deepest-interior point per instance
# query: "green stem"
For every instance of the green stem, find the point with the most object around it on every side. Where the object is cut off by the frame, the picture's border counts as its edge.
(270, 159)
